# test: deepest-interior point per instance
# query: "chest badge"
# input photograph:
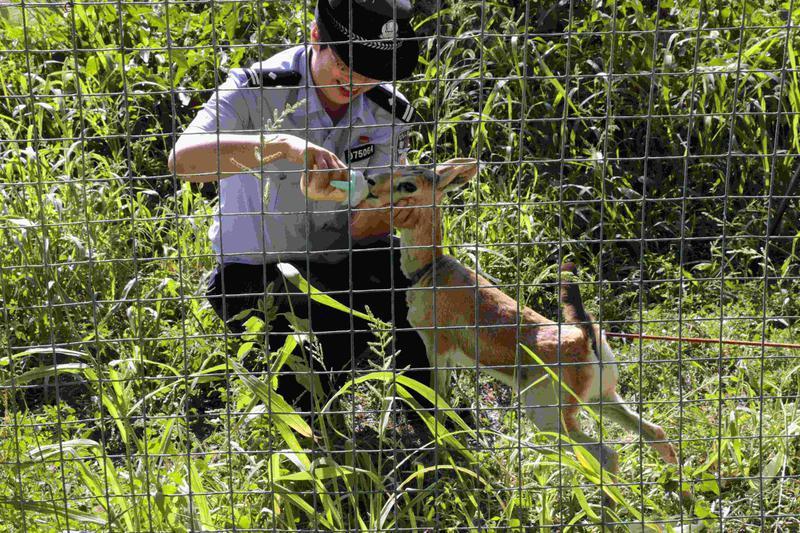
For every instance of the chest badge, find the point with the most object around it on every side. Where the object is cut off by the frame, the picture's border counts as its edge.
(357, 153)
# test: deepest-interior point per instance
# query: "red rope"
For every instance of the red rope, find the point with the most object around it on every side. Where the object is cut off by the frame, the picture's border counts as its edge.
(700, 340)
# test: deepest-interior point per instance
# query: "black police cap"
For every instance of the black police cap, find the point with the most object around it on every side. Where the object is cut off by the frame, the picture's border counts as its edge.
(373, 37)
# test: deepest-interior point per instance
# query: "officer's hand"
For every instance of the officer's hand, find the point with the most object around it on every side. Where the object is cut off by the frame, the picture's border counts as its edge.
(407, 214)
(372, 221)
(316, 185)
(323, 166)
(366, 223)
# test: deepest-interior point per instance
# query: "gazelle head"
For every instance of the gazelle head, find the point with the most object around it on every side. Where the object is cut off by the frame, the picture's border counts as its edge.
(419, 186)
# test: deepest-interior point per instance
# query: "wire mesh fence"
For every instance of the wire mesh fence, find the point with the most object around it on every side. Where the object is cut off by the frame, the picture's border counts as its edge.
(238, 250)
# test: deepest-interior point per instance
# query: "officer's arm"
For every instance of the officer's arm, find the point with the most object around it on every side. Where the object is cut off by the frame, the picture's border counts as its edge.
(203, 157)
(211, 148)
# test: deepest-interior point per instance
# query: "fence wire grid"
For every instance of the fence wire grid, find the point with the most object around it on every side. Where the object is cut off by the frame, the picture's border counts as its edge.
(362, 378)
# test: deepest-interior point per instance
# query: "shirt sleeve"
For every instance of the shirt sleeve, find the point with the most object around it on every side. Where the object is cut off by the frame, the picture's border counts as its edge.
(393, 150)
(226, 110)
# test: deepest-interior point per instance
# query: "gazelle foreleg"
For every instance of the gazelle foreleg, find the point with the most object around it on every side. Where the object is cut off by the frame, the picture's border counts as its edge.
(439, 364)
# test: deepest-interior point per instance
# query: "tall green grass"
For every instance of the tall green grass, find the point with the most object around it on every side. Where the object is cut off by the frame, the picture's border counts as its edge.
(125, 407)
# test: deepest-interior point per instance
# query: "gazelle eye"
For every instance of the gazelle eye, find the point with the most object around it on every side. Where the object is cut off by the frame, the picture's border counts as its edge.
(406, 187)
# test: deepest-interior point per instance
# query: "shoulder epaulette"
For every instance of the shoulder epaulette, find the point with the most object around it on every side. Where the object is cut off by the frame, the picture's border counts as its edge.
(272, 77)
(399, 107)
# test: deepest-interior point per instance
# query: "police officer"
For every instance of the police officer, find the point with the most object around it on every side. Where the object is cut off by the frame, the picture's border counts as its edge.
(336, 114)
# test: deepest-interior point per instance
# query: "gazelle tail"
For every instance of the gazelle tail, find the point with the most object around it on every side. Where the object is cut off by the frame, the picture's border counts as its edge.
(572, 305)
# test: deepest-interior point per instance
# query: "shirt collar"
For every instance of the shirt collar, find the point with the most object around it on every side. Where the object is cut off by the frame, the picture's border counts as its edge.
(313, 106)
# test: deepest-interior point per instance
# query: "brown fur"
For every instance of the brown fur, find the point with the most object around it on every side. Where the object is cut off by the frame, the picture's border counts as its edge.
(459, 312)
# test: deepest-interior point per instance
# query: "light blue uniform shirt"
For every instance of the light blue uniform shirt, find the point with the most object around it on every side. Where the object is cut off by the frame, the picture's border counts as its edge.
(285, 225)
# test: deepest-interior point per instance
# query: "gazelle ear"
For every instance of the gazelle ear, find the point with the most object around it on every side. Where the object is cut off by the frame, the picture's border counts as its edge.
(455, 173)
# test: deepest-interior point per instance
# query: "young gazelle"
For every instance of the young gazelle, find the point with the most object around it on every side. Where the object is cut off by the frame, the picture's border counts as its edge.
(448, 302)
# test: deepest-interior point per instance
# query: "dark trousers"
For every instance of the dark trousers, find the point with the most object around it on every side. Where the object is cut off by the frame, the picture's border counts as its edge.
(370, 277)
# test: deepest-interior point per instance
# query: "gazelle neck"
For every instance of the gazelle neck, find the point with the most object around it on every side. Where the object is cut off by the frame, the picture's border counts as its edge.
(421, 245)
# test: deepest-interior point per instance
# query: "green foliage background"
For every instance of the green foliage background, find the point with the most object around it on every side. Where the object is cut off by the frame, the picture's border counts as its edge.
(649, 141)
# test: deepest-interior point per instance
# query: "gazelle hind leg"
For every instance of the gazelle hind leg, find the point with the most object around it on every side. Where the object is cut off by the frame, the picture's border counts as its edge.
(654, 435)
(605, 455)
(540, 402)
(548, 419)
(542, 408)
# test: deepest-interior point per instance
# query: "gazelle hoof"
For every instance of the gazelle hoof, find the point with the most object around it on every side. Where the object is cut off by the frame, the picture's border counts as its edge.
(666, 451)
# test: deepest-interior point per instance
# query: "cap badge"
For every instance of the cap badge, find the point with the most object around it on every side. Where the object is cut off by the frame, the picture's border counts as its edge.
(389, 30)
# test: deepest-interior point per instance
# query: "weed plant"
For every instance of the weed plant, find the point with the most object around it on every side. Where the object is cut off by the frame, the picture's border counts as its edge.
(649, 141)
